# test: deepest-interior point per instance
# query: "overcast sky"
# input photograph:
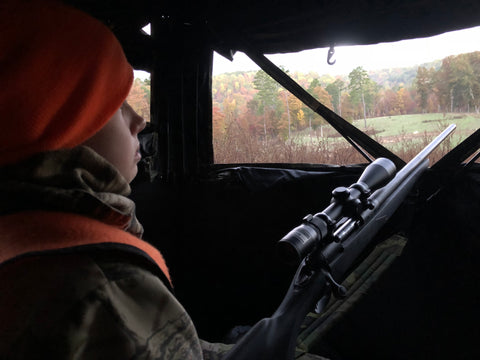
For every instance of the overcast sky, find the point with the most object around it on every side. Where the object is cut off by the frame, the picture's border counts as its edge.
(370, 57)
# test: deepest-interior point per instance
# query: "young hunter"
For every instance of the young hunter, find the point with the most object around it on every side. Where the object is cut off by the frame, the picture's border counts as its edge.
(76, 280)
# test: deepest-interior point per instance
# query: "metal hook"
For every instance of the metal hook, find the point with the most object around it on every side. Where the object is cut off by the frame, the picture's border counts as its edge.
(331, 52)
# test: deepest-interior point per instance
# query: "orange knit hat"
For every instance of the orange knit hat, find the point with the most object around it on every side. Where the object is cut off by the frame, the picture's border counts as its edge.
(63, 74)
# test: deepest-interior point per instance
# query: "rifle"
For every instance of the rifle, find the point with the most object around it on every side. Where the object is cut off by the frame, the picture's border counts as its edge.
(328, 244)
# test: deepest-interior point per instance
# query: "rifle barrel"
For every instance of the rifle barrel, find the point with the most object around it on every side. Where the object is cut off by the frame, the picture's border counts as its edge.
(413, 164)
(430, 147)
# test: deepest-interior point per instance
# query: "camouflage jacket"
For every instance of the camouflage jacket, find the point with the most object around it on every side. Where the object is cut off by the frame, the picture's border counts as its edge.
(91, 305)
(83, 302)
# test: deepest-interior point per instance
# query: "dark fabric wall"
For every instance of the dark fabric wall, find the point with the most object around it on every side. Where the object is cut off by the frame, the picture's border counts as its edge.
(426, 307)
(219, 239)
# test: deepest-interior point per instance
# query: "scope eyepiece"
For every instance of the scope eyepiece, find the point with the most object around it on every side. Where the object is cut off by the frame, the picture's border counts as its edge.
(297, 244)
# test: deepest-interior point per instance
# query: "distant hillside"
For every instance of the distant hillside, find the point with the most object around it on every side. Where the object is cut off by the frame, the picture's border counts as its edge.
(391, 78)
(400, 77)
(448, 85)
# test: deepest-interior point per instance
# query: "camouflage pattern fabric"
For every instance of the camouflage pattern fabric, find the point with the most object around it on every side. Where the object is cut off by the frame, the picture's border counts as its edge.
(360, 280)
(84, 305)
(77, 180)
(87, 304)
(216, 351)
(81, 306)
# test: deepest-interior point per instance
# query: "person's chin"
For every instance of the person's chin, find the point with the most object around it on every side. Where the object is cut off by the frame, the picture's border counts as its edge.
(134, 174)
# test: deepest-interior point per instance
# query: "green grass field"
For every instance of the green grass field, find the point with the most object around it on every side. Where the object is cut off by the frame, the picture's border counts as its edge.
(418, 125)
(404, 135)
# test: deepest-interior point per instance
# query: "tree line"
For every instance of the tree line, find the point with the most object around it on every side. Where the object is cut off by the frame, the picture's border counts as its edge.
(139, 97)
(257, 105)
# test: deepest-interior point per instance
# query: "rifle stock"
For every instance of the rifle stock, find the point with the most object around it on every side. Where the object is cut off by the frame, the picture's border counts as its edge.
(328, 244)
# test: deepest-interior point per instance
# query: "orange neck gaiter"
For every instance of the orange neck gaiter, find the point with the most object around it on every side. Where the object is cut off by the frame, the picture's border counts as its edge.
(34, 232)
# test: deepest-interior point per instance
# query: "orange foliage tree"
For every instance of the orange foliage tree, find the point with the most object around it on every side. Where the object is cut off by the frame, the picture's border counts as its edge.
(139, 98)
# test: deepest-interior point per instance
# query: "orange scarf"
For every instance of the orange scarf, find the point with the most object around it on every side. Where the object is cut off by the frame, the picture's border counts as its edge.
(33, 232)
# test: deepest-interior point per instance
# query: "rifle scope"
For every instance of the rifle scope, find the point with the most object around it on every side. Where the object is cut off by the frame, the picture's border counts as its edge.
(346, 202)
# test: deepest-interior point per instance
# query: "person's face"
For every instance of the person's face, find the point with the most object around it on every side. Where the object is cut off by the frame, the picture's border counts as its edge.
(118, 141)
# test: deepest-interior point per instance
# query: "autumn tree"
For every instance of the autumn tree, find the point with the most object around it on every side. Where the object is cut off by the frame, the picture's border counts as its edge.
(360, 87)
(409, 100)
(297, 115)
(424, 84)
(267, 95)
(255, 120)
(230, 111)
(474, 59)
(463, 82)
(267, 90)
(325, 98)
(335, 90)
(443, 84)
(218, 122)
(288, 114)
(400, 103)
(311, 116)
(348, 108)
(320, 93)
(139, 98)
(387, 103)
(455, 85)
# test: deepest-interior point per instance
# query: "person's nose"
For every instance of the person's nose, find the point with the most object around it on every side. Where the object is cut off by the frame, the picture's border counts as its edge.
(138, 123)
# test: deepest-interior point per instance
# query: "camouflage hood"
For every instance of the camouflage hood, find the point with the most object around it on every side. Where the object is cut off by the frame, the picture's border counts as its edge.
(77, 180)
